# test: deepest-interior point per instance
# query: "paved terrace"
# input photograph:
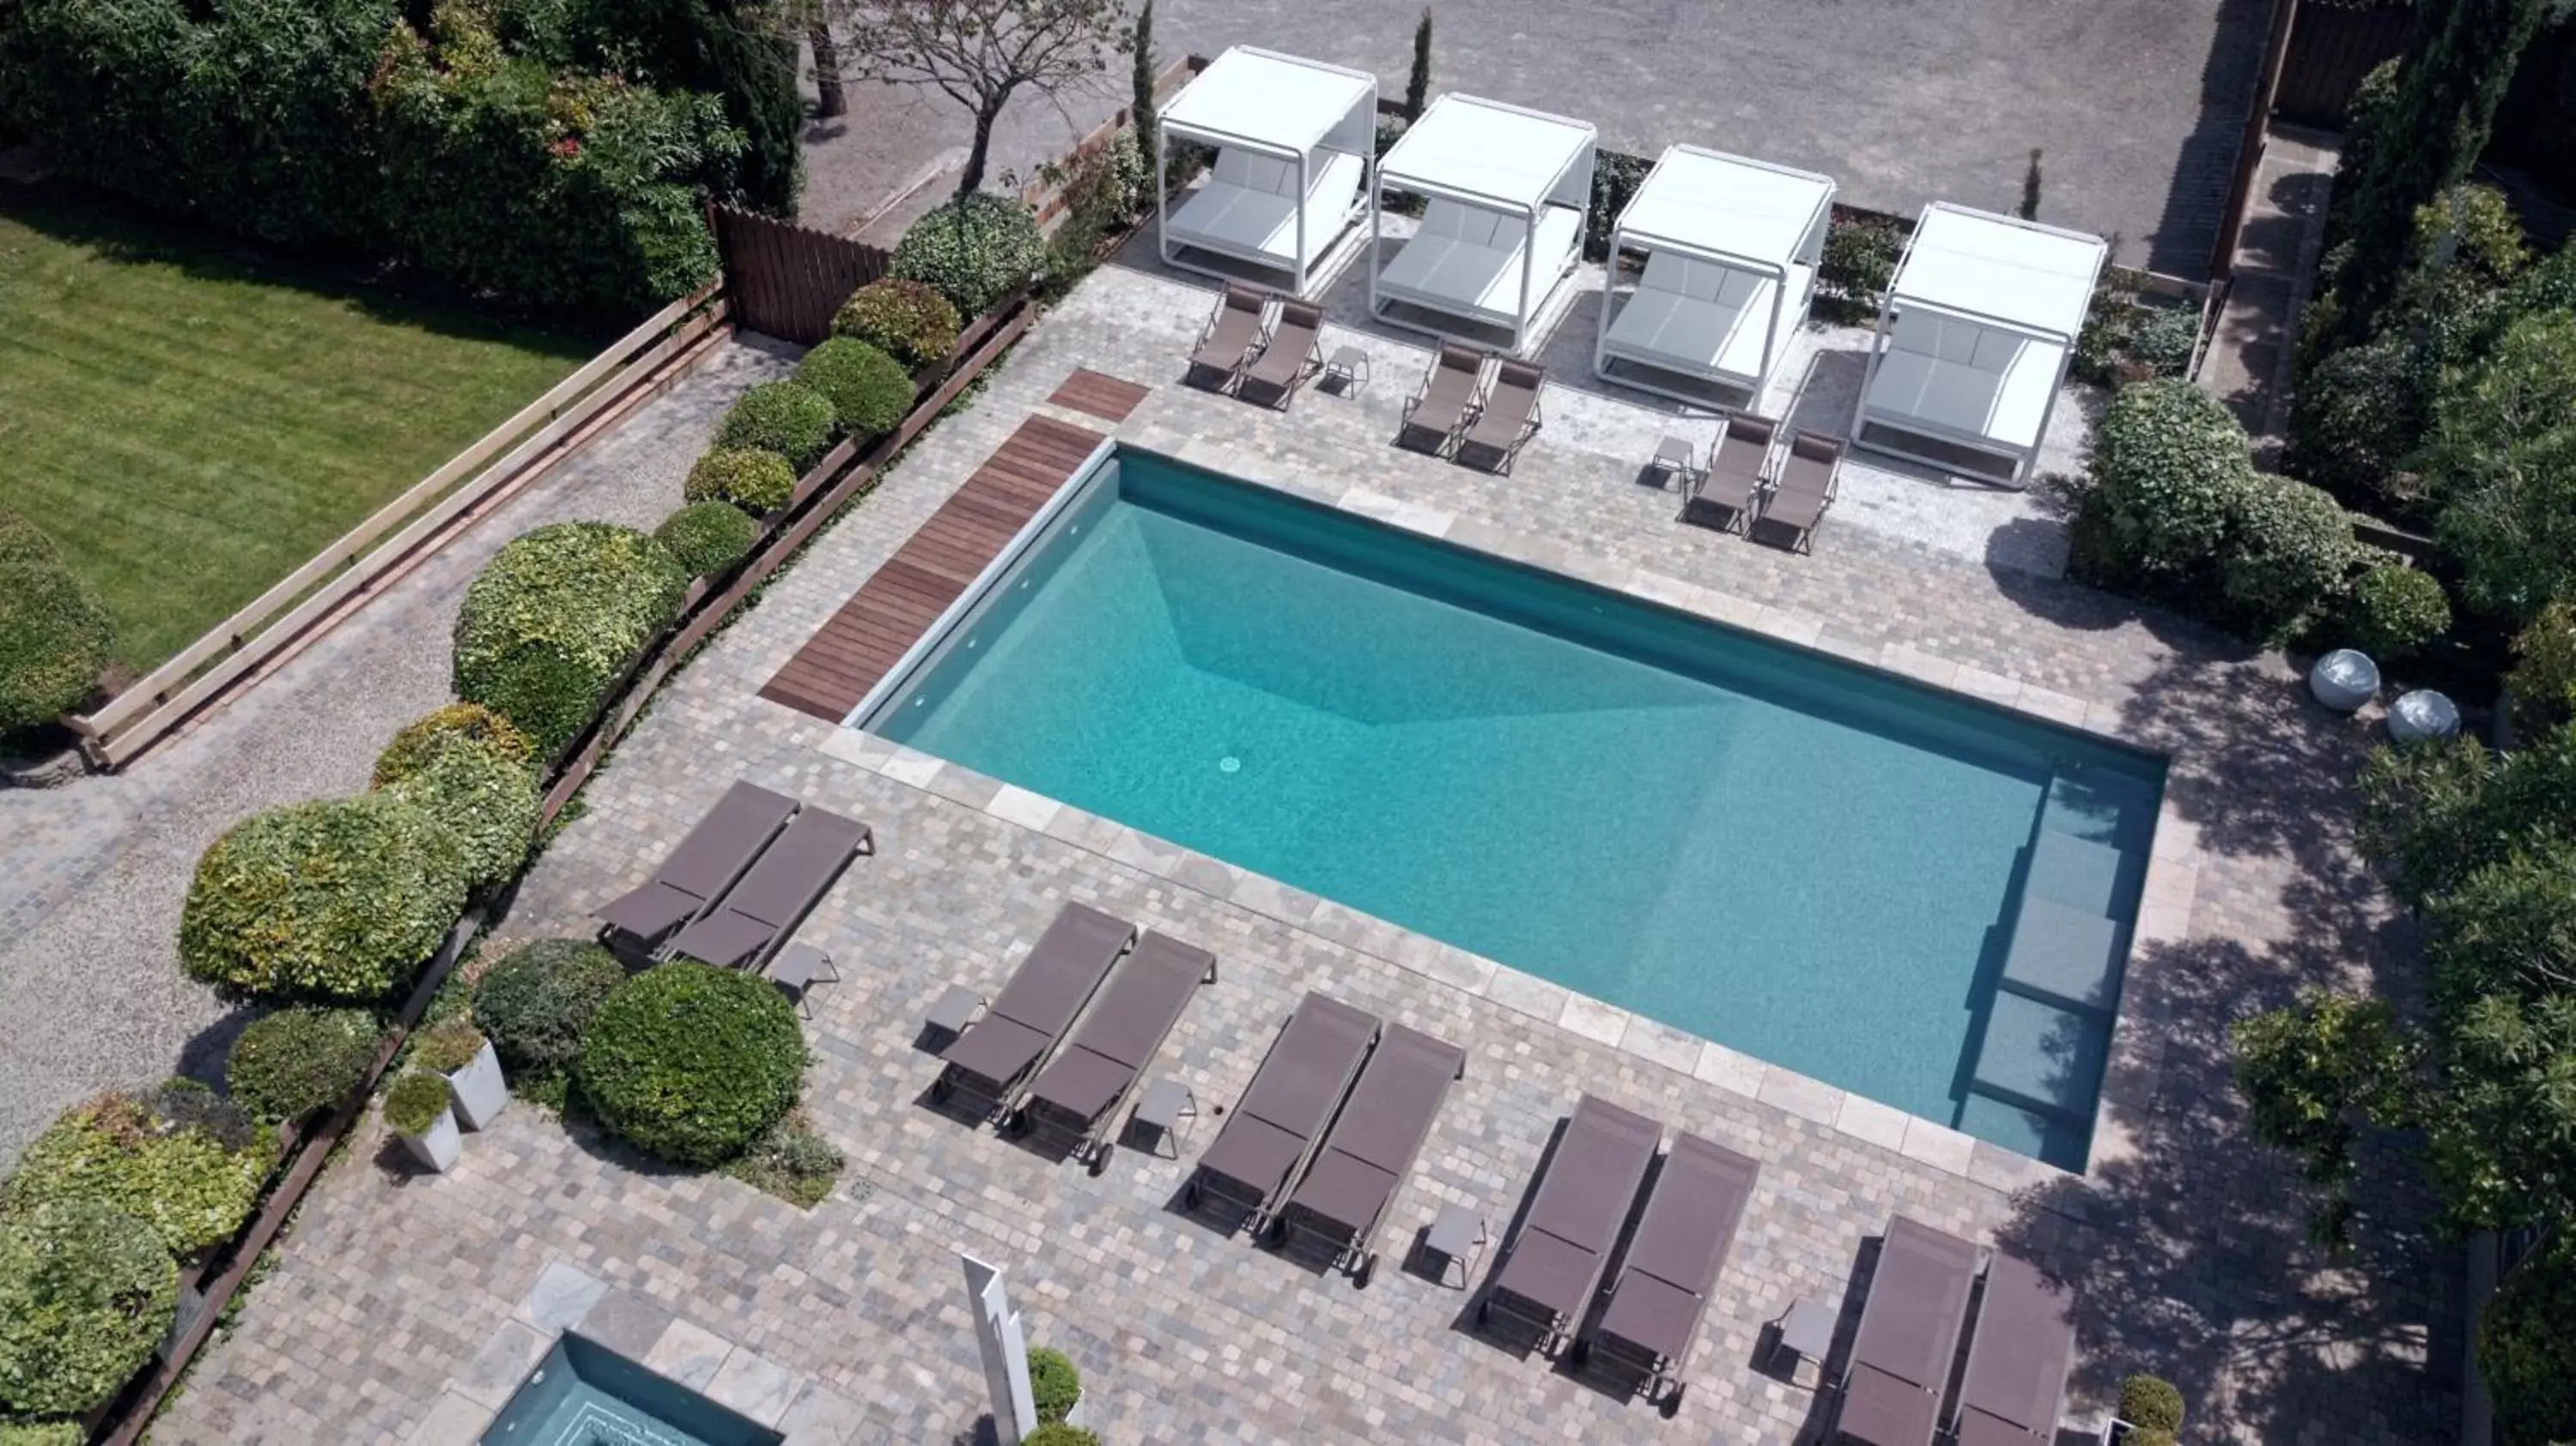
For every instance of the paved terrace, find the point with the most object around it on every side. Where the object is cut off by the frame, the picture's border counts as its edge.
(391, 1315)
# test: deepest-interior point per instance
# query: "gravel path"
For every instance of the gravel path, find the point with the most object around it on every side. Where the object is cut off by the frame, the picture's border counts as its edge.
(92, 875)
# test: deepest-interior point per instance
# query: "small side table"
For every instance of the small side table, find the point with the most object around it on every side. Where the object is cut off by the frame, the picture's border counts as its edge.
(1166, 1103)
(795, 970)
(1805, 1330)
(955, 1010)
(1456, 1234)
(1350, 366)
(1676, 458)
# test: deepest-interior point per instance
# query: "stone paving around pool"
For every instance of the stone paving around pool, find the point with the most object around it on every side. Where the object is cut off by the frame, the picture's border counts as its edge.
(2184, 1243)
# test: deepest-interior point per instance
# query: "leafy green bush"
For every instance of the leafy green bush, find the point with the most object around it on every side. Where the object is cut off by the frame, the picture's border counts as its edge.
(469, 724)
(2544, 670)
(790, 1161)
(538, 999)
(2170, 466)
(2163, 339)
(85, 1295)
(708, 537)
(788, 418)
(53, 642)
(2508, 929)
(869, 391)
(1060, 1434)
(691, 1063)
(2150, 1402)
(976, 249)
(486, 798)
(2356, 420)
(554, 620)
(2425, 813)
(753, 480)
(288, 1064)
(2527, 1345)
(24, 541)
(2503, 459)
(1860, 258)
(2396, 611)
(415, 1102)
(1054, 1385)
(340, 898)
(2288, 549)
(907, 320)
(42, 1433)
(180, 1176)
(1616, 175)
(447, 1046)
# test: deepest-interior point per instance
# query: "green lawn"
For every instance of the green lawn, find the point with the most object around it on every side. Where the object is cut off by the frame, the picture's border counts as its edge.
(192, 420)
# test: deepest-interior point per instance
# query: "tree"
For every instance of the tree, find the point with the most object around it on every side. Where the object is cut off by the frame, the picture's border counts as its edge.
(980, 53)
(1417, 86)
(2503, 458)
(2029, 209)
(1141, 82)
(829, 98)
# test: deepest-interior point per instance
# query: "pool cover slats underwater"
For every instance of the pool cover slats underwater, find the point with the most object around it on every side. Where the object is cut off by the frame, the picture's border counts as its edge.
(1908, 894)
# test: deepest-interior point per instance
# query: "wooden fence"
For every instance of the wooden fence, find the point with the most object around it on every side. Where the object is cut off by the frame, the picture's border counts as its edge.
(2331, 48)
(786, 281)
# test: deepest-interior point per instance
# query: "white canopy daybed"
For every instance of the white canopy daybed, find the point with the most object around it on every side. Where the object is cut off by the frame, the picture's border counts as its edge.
(1506, 191)
(1731, 250)
(1292, 140)
(1974, 338)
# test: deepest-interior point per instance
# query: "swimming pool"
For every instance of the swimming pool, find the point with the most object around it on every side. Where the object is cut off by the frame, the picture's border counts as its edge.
(1816, 864)
(584, 1394)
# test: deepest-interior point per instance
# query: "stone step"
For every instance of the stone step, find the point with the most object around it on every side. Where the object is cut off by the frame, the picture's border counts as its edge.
(2040, 1056)
(2065, 955)
(2082, 874)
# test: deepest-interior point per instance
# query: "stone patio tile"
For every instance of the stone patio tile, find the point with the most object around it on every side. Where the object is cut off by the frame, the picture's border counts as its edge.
(1806, 1098)
(456, 1420)
(562, 1295)
(759, 1388)
(1593, 1019)
(508, 1354)
(689, 1354)
(1531, 996)
(1019, 806)
(1735, 1073)
(1937, 1145)
(820, 1416)
(1661, 1043)
(1867, 1119)
(626, 1322)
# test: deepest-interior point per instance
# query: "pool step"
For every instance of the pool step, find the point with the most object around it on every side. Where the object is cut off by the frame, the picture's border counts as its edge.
(2042, 1057)
(2095, 878)
(2065, 955)
(2100, 806)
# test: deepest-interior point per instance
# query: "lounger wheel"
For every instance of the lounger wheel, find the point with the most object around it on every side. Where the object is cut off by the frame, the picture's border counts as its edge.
(1100, 1157)
(1673, 1401)
(1368, 1267)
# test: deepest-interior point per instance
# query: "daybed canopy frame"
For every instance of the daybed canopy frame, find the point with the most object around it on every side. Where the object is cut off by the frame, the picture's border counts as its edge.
(1354, 134)
(1570, 190)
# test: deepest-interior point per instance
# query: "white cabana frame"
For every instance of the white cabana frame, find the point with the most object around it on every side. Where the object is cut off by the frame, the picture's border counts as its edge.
(1294, 143)
(1974, 338)
(1506, 189)
(1732, 245)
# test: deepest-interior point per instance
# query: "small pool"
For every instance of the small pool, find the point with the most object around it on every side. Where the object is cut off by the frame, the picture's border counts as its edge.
(584, 1394)
(1904, 893)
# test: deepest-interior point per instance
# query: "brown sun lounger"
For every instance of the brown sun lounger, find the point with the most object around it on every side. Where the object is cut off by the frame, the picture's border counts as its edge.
(775, 894)
(1080, 1092)
(708, 859)
(2017, 1359)
(1508, 419)
(1229, 336)
(1671, 1267)
(1554, 1262)
(1373, 1145)
(1727, 491)
(1811, 476)
(1263, 1149)
(1909, 1332)
(1017, 1031)
(1434, 415)
(1291, 355)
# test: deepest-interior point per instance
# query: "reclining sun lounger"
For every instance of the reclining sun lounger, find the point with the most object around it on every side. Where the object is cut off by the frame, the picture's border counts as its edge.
(1909, 1331)
(1726, 491)
(1554, 1262)
(1228, 337)
(1434, 414)
(1509, 417)
(2017, 1360)
(776, 893)
(1810, 479)
(1256, 1159)
(1373, 1145)
(1081, 1091)
(1292, 352)
(1664, 1281)
(1058, 976)
(709, 858)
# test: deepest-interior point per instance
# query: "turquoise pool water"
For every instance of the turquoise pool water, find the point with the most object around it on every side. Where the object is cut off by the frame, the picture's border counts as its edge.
(583, 1394)
(1818, 865)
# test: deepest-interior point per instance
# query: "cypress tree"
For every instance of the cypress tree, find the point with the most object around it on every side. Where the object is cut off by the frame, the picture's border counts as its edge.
(1417, 87)
(1143, 82)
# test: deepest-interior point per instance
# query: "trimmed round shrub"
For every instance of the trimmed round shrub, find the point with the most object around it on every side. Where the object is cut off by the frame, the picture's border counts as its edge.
(288, 1064)
(2358, 416)
(691, 1063)
(2169, 468)
(555, 618)
(1054, 1385)
(415, 1102)
(180, 1176)
(2150, 1402)
(788, 418)
(339, 898)
(457, 724)
(1059, 1434)
(709, 537)
(538, 999)
(2288, 549)
(487, 799)
(907, 320)
(54, 640)
(2526, 1349)
(24, 541)
(976, 250)
(755, 481)
(869, 390)
(2544, 669)
(85, 1294)
(2396, 611)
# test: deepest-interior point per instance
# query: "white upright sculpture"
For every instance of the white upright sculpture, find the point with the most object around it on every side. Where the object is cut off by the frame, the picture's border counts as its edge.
(1005, 1350)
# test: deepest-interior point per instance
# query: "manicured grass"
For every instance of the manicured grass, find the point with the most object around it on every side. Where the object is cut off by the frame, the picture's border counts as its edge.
(193, 420)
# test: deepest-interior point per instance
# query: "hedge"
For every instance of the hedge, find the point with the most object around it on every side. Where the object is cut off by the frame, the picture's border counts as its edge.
(471, 724)
(976, 250)
(869, 390)
(2169, 467)
(554, 620)
(788, 418)
(340, 899)
(2544, 669)
(54, 641)
(691, 1063)
(45, 1433)
(708, 537)
(2356, 421)
(487, 798)
(86, 1293)
(2151, 1402)
(2288, 549)
(907, 320)
(2527, 1345)
(288, 1064)
(180, 1176)
(750, 479)
(2395, 611)
(537, 1000)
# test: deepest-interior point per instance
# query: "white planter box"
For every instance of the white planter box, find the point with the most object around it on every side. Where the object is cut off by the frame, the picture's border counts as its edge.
(1073, 1417)
(439, 1146)
(479, 1091)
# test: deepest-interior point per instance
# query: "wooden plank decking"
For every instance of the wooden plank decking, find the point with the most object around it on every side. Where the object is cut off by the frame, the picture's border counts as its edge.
(1102, 395)
(891, 610)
